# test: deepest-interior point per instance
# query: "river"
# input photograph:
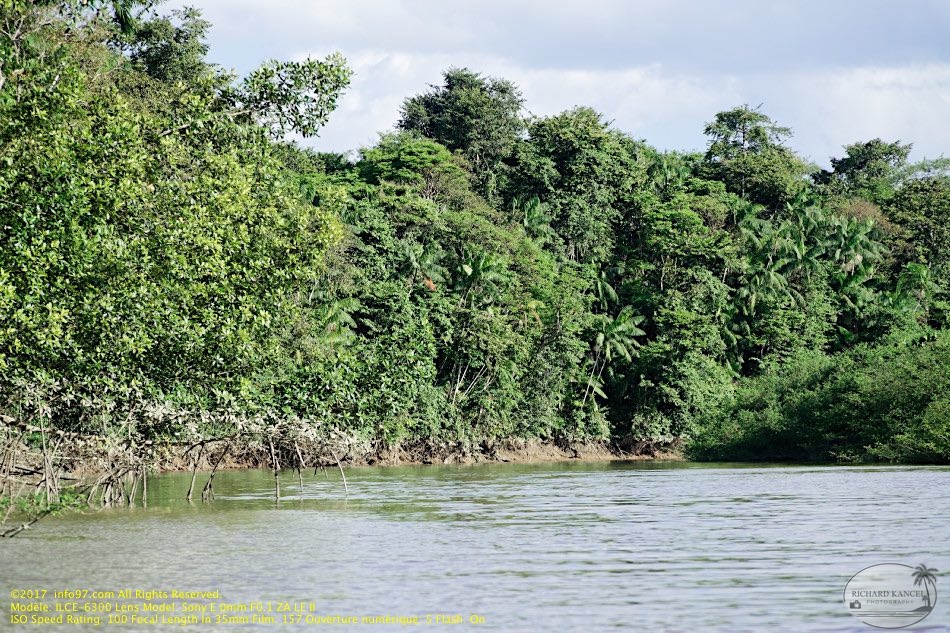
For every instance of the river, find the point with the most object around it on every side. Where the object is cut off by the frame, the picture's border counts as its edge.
(643, 546)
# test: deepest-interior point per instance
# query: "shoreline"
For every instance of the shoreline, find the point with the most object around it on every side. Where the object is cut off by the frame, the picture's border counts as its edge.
(512, 451)
(61, 468)
(115, 479)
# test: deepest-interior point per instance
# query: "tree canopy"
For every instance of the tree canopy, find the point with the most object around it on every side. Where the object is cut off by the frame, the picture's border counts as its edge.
(480, 117)
(171, 264)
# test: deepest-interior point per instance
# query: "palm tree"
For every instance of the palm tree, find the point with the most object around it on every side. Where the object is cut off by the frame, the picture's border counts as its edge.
(852, 287)
(425, 263)
(534, 218)
(775, 254)
(854, 250)
(615, 337)
(604, 292)
(761, 282)
(480, 271)
(801, 240)
(852, 243)
(669, 174)
(333, 321)
(743, 211)
(924, 575)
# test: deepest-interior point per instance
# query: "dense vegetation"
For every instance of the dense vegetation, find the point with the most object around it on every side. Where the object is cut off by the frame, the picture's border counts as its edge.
(169, 264)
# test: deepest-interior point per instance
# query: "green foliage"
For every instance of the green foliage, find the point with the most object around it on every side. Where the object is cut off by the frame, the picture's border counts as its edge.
(30, 507)
(137, 260)
(171, 52)
(535, 218)
(921, 212)
(477, 116)
(746, 151)
(583, 172)
(428, 169)
(294, 96)
(872, 403)
(168, 264)
(868, 170)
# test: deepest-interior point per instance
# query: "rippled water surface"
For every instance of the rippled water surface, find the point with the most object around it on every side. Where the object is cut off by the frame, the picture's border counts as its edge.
(565, 547)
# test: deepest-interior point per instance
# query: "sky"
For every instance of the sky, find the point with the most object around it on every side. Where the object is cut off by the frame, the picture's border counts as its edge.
(835, 71)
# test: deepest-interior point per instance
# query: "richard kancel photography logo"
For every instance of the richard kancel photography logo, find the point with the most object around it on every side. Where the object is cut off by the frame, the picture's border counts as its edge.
(892, 596)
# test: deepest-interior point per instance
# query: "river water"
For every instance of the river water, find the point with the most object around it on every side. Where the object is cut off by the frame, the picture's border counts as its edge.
(645, 546)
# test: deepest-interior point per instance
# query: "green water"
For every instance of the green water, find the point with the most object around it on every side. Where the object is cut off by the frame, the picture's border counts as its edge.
(567, 547)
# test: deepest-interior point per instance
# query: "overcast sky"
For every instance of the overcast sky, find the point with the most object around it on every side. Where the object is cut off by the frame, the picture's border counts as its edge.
(835, 71)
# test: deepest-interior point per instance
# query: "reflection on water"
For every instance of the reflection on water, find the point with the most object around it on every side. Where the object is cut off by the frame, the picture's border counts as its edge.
(564, 547)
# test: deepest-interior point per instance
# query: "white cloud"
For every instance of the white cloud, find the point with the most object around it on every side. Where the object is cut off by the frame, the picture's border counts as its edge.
(660, 69)
(636, 99)
(826, 109)
(832, 108)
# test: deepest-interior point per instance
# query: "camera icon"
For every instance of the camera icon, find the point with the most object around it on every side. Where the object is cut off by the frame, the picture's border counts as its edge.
(855, 604)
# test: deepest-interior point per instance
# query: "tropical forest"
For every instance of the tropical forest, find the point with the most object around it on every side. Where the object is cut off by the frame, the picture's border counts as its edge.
(180, 270)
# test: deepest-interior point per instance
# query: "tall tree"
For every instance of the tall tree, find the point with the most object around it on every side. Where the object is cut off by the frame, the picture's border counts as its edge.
(921, 211)
(584, 172)
(475, 115)
(869, 170)
(747, 152)
(171, 48)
